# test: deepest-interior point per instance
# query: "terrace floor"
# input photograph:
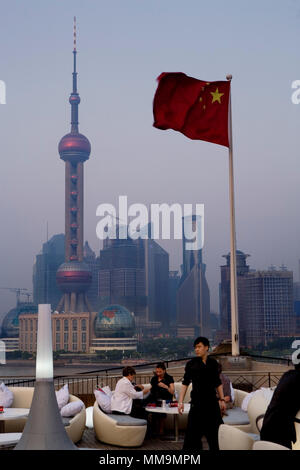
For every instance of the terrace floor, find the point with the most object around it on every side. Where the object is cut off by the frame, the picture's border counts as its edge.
(89, 441)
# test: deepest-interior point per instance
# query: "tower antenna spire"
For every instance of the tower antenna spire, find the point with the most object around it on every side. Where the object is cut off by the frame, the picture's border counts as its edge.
(74, 54)
(74, 34)
(74, 98)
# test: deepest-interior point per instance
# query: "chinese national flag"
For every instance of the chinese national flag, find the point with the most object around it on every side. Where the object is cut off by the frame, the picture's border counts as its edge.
(193, 107)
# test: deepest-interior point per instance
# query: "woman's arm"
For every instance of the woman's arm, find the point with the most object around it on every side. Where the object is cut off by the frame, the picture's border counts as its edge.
(170, 387)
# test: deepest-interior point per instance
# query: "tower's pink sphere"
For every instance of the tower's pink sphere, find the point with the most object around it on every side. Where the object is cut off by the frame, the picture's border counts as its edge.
(74, 146)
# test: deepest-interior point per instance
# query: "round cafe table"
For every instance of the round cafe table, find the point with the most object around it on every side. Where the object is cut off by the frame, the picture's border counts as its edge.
(170, 411)
(12, 413)
(9, 438)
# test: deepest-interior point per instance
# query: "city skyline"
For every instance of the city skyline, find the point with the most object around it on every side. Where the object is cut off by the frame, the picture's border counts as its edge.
(119, 62)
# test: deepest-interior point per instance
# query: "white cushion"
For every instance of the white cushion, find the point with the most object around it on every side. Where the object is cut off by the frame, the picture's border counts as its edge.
(6, 396)
(103, 400)
(246, 400)
(62, 396)
(107, 390)
(236, 417)
(267, 393)
(72, 408)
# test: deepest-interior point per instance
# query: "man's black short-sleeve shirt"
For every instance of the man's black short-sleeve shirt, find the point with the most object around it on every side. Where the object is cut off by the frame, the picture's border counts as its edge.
(278, 424)
(205, 379)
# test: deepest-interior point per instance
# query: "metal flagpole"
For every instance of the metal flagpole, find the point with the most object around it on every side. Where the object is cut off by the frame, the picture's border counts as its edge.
(235, 346)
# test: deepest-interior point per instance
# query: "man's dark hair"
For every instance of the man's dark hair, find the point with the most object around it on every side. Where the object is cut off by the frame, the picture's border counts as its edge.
(201, 339)
(128, 371)
(161, 365)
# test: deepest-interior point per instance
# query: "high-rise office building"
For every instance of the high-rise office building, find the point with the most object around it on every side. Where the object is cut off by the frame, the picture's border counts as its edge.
(122, 275)
(268, 306)
(174, 280)
(45, 289)
(193, 298)
(157, 280)
(225, 301)
(296, 316)
(93, 262)
(134, 273)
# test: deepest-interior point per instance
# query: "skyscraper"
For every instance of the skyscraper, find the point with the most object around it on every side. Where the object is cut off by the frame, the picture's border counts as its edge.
(225, 303)
(193, 298)
(45, 289)
(122, 274)
(268, 306)
(157, 280)
(174, 280)
(93, 262)
(74, 276)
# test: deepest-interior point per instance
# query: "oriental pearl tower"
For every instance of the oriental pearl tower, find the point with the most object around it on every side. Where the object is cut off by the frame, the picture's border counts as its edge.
(74, 276)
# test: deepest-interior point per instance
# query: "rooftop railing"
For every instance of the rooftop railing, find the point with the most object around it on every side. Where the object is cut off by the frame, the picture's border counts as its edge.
(83, 384)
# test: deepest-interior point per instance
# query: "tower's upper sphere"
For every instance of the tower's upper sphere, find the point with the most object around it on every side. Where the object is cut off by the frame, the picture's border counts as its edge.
(74, 276)
(74, 147)
(74, 98)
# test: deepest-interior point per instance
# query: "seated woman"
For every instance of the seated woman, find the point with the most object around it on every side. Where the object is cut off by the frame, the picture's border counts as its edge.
(162, 385)
(162, 388)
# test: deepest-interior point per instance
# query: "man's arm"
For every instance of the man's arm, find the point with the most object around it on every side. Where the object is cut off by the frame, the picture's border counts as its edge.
(131, 392)
(181, 398)
(221, 398)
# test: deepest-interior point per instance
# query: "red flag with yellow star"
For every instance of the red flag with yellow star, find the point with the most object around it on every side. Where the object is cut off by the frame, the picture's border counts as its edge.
(193, 107)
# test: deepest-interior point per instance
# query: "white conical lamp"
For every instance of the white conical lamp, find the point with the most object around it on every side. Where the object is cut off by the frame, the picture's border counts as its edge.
(44, 429)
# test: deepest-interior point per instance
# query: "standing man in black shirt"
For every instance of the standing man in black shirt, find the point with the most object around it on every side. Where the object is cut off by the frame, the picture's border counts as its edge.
(278, 424)
(205, 413)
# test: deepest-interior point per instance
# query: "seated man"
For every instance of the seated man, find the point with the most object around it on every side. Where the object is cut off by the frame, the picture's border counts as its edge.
(126, 400)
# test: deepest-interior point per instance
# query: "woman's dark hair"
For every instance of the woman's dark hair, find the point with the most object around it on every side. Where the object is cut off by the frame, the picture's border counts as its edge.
(128, 371)
(201, 339)
(161, 365)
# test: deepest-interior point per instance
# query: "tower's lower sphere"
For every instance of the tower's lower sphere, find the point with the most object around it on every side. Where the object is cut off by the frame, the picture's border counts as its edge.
(74, 276)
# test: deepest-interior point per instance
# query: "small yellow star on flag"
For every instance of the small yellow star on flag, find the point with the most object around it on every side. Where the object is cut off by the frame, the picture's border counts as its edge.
(216, 96)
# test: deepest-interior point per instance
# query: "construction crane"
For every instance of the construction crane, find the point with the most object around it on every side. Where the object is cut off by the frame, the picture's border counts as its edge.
(18, 291)
(28, 296)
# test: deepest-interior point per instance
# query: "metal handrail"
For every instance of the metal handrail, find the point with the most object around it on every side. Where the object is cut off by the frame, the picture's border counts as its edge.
(106, 371)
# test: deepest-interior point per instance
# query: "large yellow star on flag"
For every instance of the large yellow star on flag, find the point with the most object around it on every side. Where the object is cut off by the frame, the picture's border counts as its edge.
(216, 96)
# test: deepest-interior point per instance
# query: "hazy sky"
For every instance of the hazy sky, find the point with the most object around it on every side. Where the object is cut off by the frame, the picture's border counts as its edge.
(122, 47)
